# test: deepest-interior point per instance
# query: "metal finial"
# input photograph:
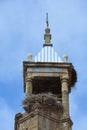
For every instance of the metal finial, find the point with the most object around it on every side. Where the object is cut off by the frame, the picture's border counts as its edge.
(47, 19)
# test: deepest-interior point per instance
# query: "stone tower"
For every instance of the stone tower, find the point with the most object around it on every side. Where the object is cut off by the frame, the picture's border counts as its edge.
(48, 80)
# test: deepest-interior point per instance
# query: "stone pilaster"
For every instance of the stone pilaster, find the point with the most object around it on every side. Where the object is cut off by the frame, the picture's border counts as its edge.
(65, 94)
(29, 86)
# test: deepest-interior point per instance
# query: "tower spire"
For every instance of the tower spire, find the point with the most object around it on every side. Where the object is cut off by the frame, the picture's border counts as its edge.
(47, 35)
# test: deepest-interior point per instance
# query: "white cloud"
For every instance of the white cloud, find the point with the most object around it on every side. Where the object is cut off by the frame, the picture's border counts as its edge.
(80, 123)
(6, 116)
(78, 116)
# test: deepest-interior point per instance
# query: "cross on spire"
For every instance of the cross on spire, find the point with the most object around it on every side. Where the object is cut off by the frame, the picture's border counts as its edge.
(47, 20)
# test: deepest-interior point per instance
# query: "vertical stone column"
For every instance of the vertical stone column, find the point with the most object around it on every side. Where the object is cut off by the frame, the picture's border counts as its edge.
(65, 94)
(28, 86)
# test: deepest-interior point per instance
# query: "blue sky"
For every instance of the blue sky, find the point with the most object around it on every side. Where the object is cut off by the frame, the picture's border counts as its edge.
(22, 24)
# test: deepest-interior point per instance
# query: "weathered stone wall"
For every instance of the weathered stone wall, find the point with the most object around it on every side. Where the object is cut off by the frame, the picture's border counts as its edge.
(43, 120)
(28, 124)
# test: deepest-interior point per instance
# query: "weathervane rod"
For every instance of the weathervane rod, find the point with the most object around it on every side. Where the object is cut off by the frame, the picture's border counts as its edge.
(47, 19)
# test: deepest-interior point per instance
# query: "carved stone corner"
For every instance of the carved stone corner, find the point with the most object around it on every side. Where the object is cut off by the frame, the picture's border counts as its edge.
(18, 116)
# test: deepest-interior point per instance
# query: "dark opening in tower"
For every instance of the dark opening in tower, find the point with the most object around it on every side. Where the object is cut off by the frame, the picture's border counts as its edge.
(47, 85)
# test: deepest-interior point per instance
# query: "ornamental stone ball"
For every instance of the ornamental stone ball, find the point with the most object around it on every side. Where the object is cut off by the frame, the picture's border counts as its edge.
(65, 58)
(30, 57)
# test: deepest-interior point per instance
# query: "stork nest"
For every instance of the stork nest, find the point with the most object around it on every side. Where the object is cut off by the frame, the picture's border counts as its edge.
(41, 102)
(74, 77)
